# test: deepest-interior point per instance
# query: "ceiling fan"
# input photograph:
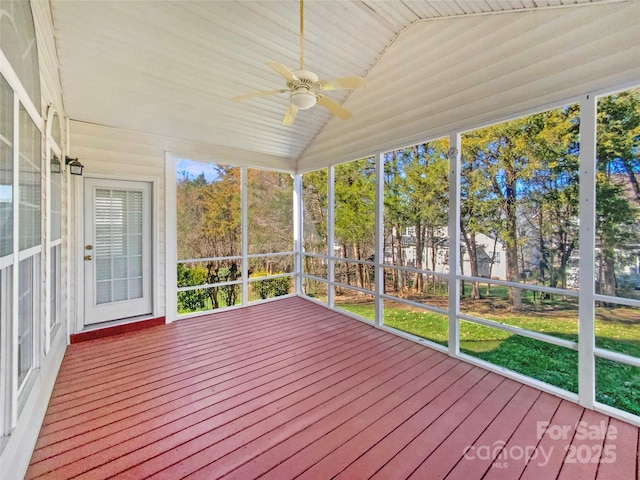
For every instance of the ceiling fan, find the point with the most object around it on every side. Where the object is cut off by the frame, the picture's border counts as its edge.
(304, 87)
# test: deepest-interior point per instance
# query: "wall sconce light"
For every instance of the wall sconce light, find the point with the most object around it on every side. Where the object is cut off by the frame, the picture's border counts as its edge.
(56, 167)
(75, 167)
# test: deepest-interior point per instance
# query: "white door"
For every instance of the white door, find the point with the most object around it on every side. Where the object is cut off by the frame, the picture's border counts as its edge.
(117, 250)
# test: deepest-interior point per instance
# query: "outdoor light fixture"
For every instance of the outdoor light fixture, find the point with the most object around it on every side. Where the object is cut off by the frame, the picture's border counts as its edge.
(56, 167)
(75, 167)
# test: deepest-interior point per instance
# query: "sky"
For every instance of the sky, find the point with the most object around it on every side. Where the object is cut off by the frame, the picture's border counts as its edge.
(193, 169)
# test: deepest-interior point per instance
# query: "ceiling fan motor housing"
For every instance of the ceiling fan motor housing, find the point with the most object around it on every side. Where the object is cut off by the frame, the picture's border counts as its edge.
(301, 95)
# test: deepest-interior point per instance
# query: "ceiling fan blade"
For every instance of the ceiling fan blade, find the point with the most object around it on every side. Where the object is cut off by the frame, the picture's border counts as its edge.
(282, 70)
(290, 114)
(259, 94)
(334, 107)
(343, 82)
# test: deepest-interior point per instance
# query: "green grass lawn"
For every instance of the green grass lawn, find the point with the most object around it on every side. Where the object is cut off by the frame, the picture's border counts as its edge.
(617, 329)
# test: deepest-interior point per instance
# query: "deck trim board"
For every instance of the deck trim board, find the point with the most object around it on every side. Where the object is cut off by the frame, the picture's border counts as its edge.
(291, 389)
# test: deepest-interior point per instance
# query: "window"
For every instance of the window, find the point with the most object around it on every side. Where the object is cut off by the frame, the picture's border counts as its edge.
(18, 41)
(21, 212)
(29, 228)
(6, 245)
(6, 168)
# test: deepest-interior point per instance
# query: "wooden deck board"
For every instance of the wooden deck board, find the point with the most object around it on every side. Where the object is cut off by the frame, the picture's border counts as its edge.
(289, 389)
(190, 397)
(198, 379)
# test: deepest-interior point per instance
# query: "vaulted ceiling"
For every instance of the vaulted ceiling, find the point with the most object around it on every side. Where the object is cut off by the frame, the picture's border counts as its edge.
(170, 68)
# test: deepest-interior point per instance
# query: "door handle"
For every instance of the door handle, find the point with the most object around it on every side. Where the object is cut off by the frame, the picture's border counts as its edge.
(88, 257)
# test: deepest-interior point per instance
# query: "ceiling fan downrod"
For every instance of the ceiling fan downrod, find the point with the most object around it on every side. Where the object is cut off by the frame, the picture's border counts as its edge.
(301, 35)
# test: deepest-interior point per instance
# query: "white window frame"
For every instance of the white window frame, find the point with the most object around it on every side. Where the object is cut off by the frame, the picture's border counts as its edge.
(12, 395)
(51, 146)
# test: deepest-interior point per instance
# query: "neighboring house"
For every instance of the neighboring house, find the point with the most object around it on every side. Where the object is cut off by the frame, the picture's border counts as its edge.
(491, 253)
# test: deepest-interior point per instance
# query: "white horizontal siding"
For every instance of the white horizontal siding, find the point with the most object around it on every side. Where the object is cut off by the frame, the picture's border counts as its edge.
(114, 154)
(51, 89)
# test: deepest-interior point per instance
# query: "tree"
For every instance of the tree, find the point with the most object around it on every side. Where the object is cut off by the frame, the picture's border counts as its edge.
(209, 226)
(355, 212)
(554, 192)
(395, 217)
(617, 189)
(479, 211)
(314, 230)
(416, 196)
(508, 162)
(425, 190)
(270, 219)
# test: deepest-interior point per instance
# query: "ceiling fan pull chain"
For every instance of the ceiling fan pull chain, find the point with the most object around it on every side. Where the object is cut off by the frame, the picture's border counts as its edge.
(301, 35)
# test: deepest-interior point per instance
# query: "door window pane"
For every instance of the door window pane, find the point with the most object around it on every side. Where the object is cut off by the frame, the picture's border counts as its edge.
(6, 313)
(118, 245)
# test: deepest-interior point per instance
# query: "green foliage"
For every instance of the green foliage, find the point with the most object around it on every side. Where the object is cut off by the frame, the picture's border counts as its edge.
(355, 205)
(617, 188)
(208, 214)
(543, 361)
(270, 287)
(518, 170)
(227, 294)
(315, 206)
(618, 385)
(191, 300)
(270, 211)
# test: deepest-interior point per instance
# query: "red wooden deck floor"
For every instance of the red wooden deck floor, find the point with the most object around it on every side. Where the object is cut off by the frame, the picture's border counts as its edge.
(290, 389)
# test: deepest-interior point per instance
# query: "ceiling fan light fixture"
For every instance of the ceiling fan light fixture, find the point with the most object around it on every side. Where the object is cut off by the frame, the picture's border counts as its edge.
(303, 99)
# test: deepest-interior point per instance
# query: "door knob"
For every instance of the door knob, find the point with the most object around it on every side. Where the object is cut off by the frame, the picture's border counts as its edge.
(88, 257)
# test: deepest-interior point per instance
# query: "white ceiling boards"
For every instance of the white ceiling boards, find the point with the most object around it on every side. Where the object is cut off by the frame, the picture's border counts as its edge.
(170, 68)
